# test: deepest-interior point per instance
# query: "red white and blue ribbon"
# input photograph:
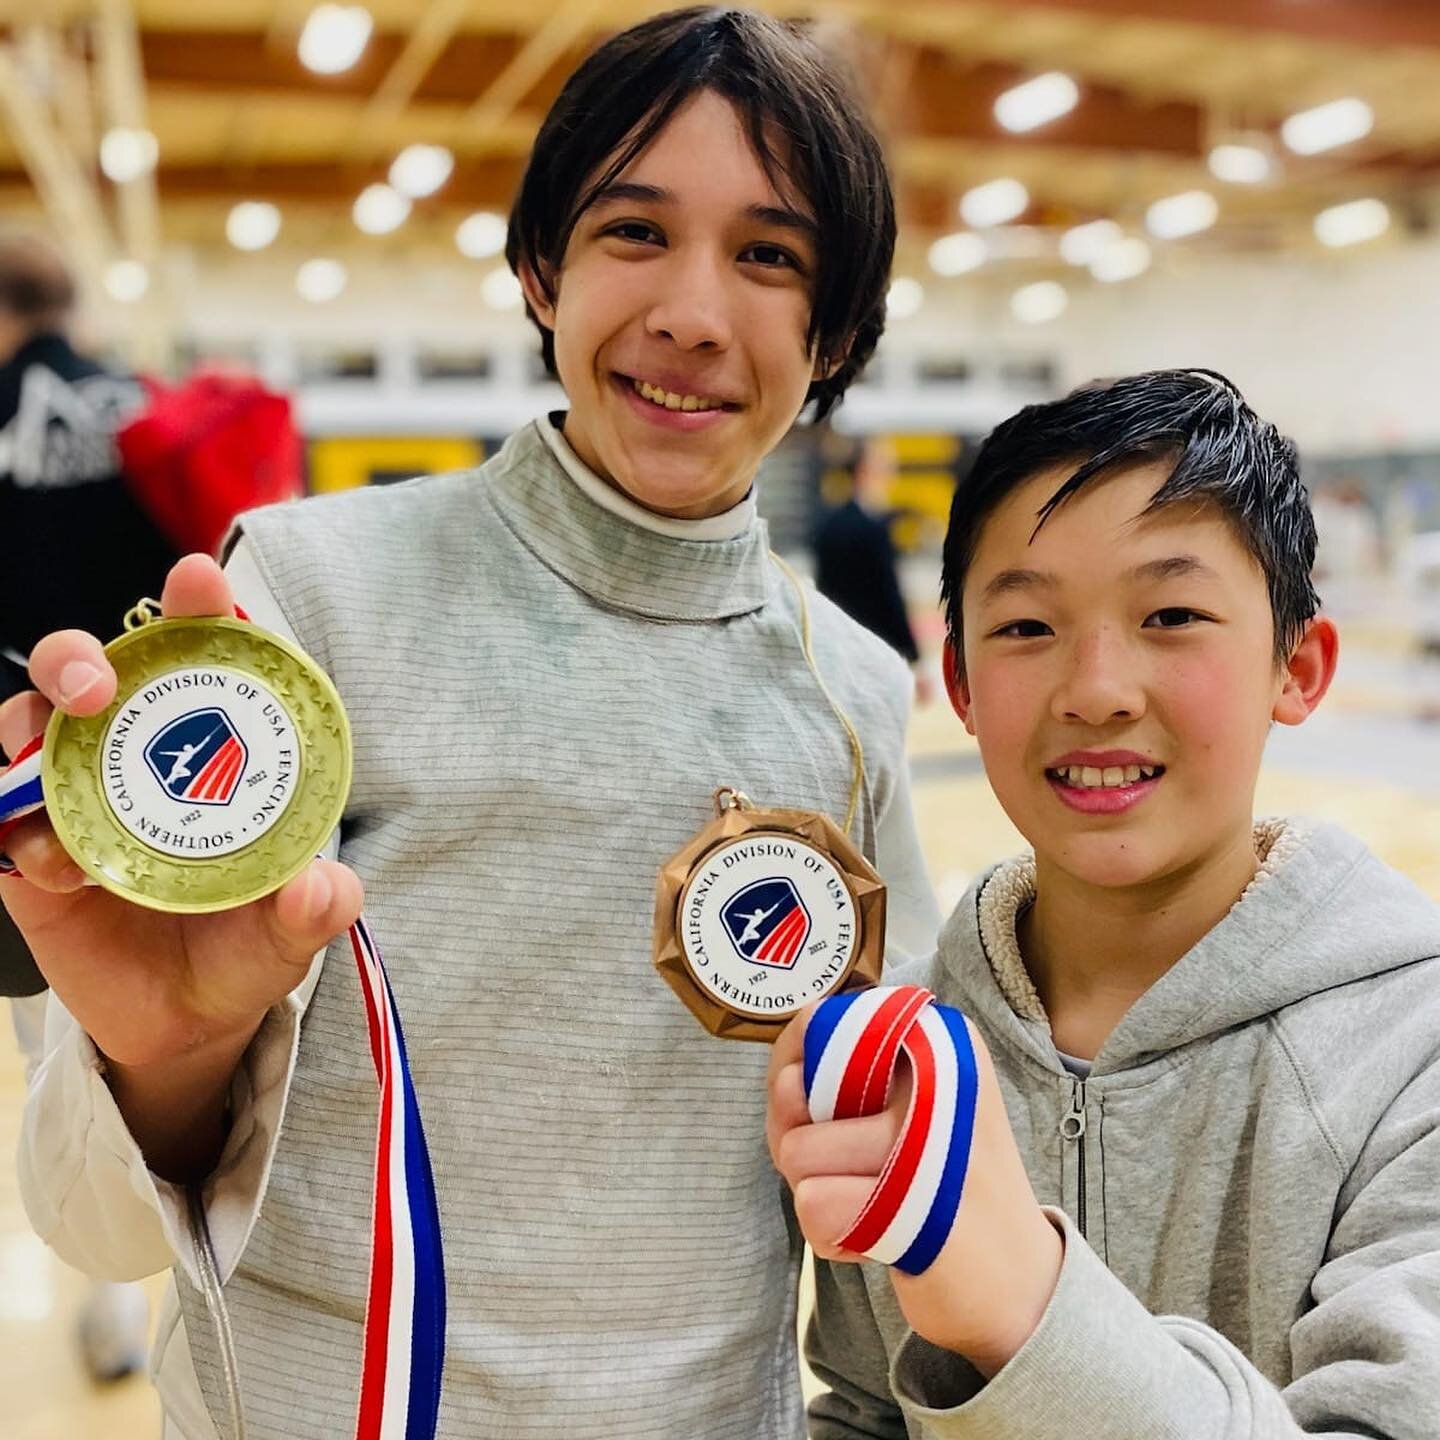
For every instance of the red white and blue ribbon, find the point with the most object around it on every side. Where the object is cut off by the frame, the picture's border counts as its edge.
(405, 1308)
(853, 1043)
(20, 793)
(404, 1338)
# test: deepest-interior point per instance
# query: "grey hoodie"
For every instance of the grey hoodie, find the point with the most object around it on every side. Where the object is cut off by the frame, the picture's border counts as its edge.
(1255, 1157)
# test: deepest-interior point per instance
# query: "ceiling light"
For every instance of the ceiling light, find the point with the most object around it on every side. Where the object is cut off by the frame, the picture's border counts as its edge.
(481, 235)
(252, 224)
(1124, 260)
(1326, 126)
(1037, 102)
(1038, 303)
(994, 203)
(320, 281)
(958, 253)
(501, 291)
(1240, 164)
(127, 154)
(1082, 243)
(1352, 222)
(334, 38)
(127, 280)
(1180, 215)
(421, 170)
(904, 298)
(379, 210)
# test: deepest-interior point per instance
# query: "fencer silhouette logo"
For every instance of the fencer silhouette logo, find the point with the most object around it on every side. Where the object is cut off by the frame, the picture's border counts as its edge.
(767, 922)
(199, 757)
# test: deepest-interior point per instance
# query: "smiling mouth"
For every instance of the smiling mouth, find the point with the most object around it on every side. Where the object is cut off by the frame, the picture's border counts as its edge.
(664, 399)
(1112, 777)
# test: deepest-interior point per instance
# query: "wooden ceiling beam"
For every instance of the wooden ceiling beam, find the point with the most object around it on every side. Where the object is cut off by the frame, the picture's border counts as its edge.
(432, 35)
(477, 183)
(240, 61)
(1414, 23)
(536, 60)
(949, 98)
(66, 191)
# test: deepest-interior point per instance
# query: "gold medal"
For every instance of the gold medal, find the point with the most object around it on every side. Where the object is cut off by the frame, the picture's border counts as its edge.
(763, 912)
(216, 775)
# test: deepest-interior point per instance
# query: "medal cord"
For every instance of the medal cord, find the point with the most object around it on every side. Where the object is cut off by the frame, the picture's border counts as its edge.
(857, 750)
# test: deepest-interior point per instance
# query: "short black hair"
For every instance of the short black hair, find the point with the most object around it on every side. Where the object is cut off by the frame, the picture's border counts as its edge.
(36, 286)
(1223, 453)
(789, 93)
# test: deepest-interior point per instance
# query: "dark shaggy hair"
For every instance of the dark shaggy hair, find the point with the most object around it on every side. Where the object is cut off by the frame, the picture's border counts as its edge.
(1223, 453)
(35, 283)
(803, 119)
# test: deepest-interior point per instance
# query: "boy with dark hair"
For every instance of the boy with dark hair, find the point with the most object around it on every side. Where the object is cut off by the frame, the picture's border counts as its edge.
(549, 666)
(1212, 1043)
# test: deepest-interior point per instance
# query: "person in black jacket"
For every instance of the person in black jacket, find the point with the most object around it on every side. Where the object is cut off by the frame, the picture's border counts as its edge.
(74, 551)
(78, 552)
(855, 558)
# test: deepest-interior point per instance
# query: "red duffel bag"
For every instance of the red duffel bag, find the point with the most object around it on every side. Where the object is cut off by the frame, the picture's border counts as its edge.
(205, 450)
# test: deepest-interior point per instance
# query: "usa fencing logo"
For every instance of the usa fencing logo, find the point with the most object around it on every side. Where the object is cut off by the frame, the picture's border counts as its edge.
(767, 922)
(201, 761)
(199, 758)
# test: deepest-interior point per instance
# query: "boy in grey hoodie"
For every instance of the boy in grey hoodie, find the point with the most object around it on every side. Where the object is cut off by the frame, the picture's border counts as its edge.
(1203, 1197)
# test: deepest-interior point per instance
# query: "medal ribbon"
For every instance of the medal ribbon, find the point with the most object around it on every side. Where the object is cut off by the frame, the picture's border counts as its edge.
(20, 793)
(404, 1338)
(852, 1045)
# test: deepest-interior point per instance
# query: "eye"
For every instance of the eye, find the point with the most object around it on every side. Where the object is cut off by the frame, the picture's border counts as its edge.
(772, 257)
(637, 232)
(1173, 617)
(1023, 630)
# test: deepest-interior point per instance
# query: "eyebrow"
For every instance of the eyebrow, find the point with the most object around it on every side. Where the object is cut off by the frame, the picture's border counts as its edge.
(1007, 582)
(1010, 582)
(780, 216)
(1173, 567)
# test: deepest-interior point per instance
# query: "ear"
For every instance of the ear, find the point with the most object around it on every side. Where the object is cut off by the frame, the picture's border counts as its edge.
(534, 291)
(1309, 671)
(956, 685)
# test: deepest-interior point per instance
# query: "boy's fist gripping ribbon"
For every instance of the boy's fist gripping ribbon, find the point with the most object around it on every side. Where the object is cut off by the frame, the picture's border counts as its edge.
(404, 1337)
(852, 1045)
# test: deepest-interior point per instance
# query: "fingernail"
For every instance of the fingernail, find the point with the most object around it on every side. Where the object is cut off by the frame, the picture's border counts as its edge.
(318, 891)
(75, 679)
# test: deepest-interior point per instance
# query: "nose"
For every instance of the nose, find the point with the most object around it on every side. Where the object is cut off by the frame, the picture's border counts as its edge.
(1102, 682)
(692, 307)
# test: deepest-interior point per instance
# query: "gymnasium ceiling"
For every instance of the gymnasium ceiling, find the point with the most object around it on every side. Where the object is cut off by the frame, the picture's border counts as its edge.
(237, 116)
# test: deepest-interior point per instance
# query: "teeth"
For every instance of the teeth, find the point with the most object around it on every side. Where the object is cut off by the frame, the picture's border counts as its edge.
(1091, 777)
(671, 401)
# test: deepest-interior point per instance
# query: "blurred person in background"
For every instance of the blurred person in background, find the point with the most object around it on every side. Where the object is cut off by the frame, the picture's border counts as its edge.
(77, 553)
(855, 561)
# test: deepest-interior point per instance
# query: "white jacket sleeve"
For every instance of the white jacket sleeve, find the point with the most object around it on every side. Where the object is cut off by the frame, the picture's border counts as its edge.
(84, 1181)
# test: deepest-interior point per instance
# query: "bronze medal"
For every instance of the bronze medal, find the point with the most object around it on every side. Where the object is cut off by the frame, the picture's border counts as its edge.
(763, 912)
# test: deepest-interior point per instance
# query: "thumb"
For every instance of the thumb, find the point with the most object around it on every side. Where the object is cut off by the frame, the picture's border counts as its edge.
(308, 912)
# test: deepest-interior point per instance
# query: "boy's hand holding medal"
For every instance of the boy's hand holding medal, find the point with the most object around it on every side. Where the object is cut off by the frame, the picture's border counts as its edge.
(149, 986)
(982, 1287)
